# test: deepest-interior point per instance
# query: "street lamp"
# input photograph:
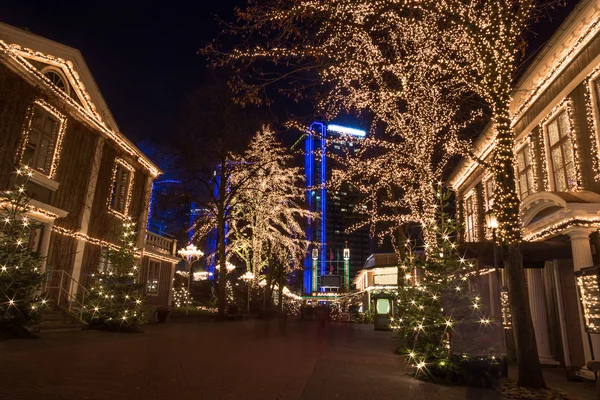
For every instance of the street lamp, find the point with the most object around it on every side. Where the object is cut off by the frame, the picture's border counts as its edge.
(492, 223)
(248, 277)
(347, 266)
(190, 253)
(315, 256)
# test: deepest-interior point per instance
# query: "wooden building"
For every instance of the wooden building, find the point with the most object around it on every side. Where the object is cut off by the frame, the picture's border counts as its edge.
(556, 118)
(87, 176)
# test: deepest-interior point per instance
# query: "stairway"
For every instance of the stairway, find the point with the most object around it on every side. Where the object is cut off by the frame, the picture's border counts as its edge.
(57, 319)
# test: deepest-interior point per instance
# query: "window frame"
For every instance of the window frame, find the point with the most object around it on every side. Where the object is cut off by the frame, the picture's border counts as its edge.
(563, 138)
(592, 87)
(115, 186)
(157, 264)
(55, 146)
(526, 150)
(470, 231)
(487, 180)
(61, 75)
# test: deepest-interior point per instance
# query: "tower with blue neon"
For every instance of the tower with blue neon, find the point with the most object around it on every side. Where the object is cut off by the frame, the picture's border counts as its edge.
(334, 209)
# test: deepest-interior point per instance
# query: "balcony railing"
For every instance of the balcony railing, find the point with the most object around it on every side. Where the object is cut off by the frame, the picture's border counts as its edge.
(160, 244)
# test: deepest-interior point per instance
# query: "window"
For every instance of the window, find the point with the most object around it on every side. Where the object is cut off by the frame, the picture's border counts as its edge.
(121, 187)
(524, 172)
(105, 264)
(470, 219)
(57, 79)
(153, 277)
(39, 148)
(561, 154)
(490, 192)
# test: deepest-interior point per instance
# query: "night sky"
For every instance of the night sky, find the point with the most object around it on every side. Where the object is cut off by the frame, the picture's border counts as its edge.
(143, 56)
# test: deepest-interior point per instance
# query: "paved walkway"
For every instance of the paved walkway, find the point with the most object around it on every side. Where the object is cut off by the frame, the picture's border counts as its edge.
(208, 361)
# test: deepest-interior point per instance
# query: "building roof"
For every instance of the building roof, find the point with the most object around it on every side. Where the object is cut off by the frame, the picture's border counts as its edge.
(570, 39)
(21, 50)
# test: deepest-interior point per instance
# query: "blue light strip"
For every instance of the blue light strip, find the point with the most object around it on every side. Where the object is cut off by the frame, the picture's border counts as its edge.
(308, 169)
(323, 201)
(346, 130)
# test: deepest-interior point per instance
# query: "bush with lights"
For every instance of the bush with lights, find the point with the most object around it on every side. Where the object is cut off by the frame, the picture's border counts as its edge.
(21, 279)
(116, 300)
(436, 309)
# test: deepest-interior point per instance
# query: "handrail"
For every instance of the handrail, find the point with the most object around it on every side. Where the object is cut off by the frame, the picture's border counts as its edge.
(70, 296)
(159, 243)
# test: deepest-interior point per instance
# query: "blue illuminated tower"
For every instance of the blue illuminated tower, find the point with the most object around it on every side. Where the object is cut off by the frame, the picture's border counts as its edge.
(333, 208)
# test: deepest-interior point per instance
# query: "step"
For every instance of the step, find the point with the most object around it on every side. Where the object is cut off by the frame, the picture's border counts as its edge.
(61, 328)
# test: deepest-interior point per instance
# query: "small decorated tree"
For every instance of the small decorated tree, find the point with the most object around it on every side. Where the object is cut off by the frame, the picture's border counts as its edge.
(116, 297)
(440, 318)
(21, 279)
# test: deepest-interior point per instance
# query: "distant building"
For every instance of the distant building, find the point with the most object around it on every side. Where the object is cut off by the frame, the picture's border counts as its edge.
(87, 176)
(326, 268)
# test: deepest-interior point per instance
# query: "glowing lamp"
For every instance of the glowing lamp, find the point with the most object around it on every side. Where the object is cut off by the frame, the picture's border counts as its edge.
(346, 130)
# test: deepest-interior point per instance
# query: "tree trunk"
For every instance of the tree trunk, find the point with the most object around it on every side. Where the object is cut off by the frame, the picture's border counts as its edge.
(222, 209)
(530, 372)
(401, 252)
(507, 212)
(280, 294)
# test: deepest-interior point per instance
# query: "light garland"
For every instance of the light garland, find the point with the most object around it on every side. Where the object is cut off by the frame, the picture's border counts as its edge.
(472, 196)
(88, 113)
(56, 145)
(592, 108)
(128, 167)
(505, 308)
(547, 80)
(566, 105)
(560, 227)
(589, 296)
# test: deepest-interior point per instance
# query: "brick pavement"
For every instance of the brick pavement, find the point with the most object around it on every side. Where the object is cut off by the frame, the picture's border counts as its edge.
(246, 360)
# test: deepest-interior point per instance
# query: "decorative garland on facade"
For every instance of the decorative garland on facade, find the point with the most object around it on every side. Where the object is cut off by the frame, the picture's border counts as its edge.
(560, 227)
(56, 146)
(89, 114)
(475, 214)
(567, 106)
(545, 82)
(592, 109)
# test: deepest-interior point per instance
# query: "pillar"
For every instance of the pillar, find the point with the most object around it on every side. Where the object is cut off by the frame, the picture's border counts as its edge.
(495, 308)
(582, 258)
(561, 311)
(45, 244)
(539, 316)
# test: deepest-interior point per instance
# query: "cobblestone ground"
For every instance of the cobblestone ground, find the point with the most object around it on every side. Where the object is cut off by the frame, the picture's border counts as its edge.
(201, 361)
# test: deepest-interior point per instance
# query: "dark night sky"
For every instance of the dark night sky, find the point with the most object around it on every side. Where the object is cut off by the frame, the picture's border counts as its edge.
(143, 54)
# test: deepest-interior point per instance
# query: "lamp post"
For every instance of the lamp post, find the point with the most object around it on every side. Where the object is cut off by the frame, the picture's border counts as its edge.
(248, 277)
(190, 253)
(347, 267)
(315, 257)
(492, 223)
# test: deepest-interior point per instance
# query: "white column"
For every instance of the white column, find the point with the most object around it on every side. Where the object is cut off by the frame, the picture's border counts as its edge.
(537, 303)
(45, 244)
(582, 258)
(561, 310)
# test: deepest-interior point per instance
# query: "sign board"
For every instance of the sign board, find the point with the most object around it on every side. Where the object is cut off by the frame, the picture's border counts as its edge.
(389, 279)
(331, 281)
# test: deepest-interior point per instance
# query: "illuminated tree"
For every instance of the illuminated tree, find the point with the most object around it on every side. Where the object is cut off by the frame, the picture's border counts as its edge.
(116, 296)
(351, 55)
(266, 230)
(21, 279)
(436, 306)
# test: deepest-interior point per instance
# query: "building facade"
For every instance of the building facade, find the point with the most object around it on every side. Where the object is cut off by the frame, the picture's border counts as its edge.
(556, 118)
(86, 176)
(338, 256)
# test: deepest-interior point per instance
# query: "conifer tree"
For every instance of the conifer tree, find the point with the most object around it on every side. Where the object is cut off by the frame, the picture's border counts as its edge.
(116, 298)
(436, 306)
(21, 279)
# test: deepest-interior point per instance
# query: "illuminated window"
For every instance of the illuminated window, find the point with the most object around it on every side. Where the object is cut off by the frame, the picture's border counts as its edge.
(525, 172)
(383, 306)
(490, 193)
(121, 187)
(153, 277)
(105, 264)
(39, 148)
(561, 153)
(470, 219)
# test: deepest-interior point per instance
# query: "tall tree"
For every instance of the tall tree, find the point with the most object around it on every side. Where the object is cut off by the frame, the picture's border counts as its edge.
(267, 231)
(207, 151)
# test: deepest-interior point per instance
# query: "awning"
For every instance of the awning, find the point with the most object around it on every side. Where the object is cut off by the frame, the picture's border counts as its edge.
(535, 254)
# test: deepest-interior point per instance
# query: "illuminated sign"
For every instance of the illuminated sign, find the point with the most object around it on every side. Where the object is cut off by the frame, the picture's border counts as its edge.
(346, 130)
